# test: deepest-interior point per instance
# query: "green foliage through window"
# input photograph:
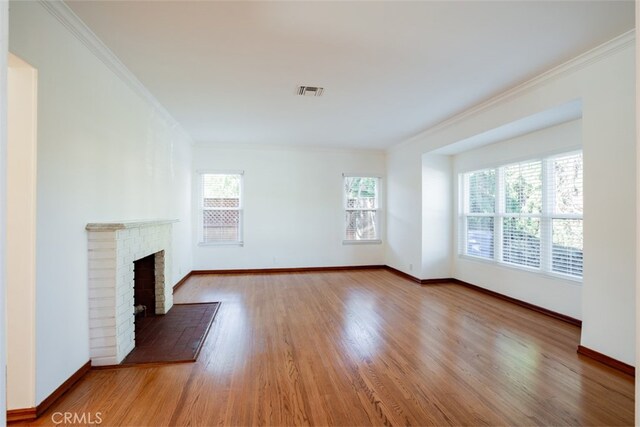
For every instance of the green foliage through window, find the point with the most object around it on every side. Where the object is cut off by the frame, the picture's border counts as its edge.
(361, 205)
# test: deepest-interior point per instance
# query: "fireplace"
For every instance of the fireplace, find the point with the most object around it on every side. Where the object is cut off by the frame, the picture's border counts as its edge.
(116, 252)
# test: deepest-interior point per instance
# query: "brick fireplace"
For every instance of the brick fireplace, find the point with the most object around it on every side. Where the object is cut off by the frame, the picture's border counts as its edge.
(113, 249)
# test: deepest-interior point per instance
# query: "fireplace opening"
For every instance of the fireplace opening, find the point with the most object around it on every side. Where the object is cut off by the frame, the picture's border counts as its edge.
(144, 288)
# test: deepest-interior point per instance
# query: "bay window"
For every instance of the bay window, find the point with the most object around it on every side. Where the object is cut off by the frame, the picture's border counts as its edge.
(526, 214)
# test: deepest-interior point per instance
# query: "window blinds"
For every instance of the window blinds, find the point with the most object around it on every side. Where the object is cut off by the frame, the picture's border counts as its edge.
(521, 195)
(566, 214)
(527, 214)
(481, 204)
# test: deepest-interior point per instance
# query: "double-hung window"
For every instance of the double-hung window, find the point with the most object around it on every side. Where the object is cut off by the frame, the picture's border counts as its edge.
(361, 206)
(521, 193)
(565, 210)
(527, 214)
(480, 208)
(221, 208)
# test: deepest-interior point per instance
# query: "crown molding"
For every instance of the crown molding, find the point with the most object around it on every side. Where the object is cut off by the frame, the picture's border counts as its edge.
(579, 62)
(71, 21)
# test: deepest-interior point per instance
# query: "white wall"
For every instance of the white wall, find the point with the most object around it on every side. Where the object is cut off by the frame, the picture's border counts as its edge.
(556, 294)
(404, 211)
(21, 238)
(437, 216)
(293, 207)
(605, 82)
(610, 184)
(4, 49)
(104, 154)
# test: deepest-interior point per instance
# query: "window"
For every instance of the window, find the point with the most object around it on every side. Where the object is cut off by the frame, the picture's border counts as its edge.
(522, 196)
(221, 208)
(482, 205)
(527, 214)
(566, 214)
(361, 204)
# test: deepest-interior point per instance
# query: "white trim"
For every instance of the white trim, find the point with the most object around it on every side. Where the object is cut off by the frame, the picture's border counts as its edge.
(4, 50)
(230, 243)
(546, 222)
(83, 33)
(219, 172)
(361, 175)
(637, 255)
(499, 207)
(596, 54)
(362, 242)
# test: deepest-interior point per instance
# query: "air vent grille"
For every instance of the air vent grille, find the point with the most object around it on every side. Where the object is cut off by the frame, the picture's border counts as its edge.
(310, 91)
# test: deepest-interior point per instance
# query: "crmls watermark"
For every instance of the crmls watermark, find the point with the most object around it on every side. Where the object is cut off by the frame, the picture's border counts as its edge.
(84, 418)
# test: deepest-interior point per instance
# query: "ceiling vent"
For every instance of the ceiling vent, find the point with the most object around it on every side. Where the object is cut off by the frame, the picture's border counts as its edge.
(310, 91)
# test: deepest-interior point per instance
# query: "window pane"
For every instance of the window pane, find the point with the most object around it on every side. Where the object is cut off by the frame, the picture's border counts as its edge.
(361, 225)
(523, 188)
(221, 190)
(480, 236)
(567, 246)
(482, 191)
(567, 171)
(521, 241)
(221, 225)
(361, 192)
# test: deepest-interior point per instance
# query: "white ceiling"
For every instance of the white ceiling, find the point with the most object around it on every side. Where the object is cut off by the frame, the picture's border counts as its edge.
(228, 71)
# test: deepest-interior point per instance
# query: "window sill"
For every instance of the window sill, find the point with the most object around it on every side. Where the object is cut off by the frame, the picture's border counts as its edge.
(572, 280)
(222, 244)
(362, 242)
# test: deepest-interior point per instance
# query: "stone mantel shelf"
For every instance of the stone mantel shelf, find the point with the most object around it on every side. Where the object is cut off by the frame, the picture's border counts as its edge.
(123, 225)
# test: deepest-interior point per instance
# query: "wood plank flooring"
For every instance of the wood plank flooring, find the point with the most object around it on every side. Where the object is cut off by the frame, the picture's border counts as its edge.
(361, 348)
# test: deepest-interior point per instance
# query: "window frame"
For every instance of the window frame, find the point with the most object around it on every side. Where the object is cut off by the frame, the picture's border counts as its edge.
(377, 210)
(502, 214)
(553, 215)
(202, 208)
(466, 212)
(546, 216)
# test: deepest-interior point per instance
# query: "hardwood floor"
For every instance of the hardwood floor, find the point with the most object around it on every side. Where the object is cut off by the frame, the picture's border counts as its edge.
(362, 348)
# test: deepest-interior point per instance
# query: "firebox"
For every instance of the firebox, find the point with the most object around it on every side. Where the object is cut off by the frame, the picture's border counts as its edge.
(144, 287)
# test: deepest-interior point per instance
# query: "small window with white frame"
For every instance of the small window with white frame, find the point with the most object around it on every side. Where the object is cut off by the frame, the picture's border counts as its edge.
(361, 206)
(221, 208)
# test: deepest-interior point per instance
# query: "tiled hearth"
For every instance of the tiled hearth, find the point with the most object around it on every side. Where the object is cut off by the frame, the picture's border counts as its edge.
(113, 247)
